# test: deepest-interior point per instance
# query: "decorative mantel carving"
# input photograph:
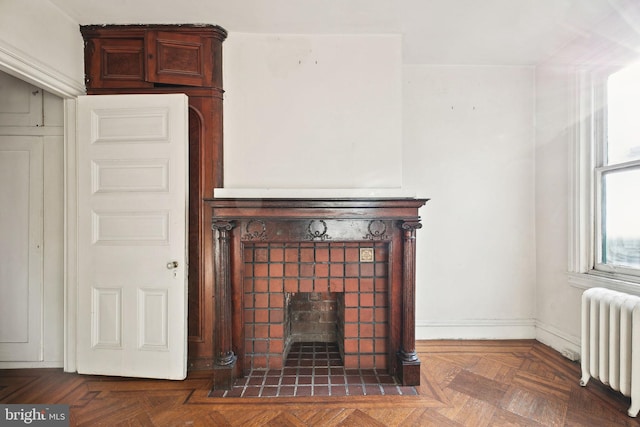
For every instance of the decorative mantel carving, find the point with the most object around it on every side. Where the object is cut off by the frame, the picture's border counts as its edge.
(238, 222)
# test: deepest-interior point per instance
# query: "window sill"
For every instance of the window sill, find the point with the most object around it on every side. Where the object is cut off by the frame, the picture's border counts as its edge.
(595, 279)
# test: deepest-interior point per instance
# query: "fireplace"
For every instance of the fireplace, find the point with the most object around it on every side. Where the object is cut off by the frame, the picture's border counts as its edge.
(290, 270)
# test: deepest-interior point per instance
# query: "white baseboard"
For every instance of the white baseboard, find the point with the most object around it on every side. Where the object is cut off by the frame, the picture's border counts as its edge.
(31, 365)
(556, 339)
(494, 329)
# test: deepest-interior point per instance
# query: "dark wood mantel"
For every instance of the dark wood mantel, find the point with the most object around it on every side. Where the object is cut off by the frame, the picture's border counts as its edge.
(238, 222)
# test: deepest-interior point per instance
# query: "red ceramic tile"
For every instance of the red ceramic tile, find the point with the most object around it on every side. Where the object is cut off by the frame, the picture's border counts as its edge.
(306, 285)
(306, 255)
(248, 315)
(304, 390)
(366, 270)
(305, 380)
(336, 270)
(366, 300)
(336, 255)
(276, 300)
(251, 392)
(350, 315)
(276, 330)
(351, 299)
(351, 330)
(380, 269)
(336, 285)
(261, 316)
(337, 379)
(366, 346)
(269, 392)
(321, 380)
(291, 270)
(287, 391)
(261, 285)
(352, 270)
(381, 284)
(322, 254)
(276, 345)
(276, 254)
(276, 315)
(259, 361)
(291, 255)
(351, 285)
(307, 270)
(381, 361)
(260, 346)
(276, 285)
(261, 300)
(351, 346)
(366, 285)
(381, 314)
(291, 285)
(321, 285)
(338, 390)
(261, 255)
(367, 361)
(381, 299)
(352, 255)
(366, 315)
(276, 270)
(373, 390)
(321, 390)
(355, 390)
(261, 331)
(322, 270)
(380, 345)
(366, 330)
(275, 362)
(248, 254)
(260, 270)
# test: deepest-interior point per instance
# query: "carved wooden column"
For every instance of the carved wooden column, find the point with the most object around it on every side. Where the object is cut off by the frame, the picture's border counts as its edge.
(409, 363)
(224, 358)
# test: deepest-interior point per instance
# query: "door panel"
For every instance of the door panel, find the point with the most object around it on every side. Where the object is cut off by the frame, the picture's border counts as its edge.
(132, 198)
(21, 262)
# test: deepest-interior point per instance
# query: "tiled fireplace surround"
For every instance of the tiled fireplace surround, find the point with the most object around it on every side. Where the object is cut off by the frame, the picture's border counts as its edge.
(350, 261)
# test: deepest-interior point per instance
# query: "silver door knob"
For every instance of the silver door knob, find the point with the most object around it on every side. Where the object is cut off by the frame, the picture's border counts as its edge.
(172, 264)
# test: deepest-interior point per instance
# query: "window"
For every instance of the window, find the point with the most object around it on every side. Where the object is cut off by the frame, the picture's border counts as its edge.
(618, 176)
(605, 234)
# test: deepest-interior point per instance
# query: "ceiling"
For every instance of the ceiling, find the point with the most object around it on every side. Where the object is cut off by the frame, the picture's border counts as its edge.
(478, 32)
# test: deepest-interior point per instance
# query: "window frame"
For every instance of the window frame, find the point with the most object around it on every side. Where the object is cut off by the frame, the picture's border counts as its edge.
(589, 113)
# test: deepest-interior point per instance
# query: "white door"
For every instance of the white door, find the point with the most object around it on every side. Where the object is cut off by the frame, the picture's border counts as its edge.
(21, 237)
(132, 228)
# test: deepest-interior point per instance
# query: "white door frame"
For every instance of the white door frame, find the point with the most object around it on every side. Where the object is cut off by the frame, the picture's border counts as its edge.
(29, 69)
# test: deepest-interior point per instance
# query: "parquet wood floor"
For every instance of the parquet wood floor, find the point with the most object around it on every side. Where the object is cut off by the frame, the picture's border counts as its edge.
(464, 383)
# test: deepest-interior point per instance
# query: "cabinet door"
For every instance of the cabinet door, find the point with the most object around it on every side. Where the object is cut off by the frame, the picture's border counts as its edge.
(179, 59)
(116, 63)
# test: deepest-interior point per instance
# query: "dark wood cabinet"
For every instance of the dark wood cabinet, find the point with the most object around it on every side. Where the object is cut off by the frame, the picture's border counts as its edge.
(147, 59)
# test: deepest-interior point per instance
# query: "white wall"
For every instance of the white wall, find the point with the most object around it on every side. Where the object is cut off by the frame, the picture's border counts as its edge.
(558, 304)
(40, 44)
(469, 146)
(312, 111)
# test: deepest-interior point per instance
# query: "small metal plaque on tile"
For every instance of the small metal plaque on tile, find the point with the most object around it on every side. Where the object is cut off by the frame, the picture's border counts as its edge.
(366, 254)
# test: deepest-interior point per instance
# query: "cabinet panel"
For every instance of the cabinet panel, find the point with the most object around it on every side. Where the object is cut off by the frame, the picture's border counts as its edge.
(182, 59)
(116, 63)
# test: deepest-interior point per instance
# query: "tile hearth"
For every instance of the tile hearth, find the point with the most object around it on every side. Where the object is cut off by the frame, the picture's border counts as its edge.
(315, 369)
